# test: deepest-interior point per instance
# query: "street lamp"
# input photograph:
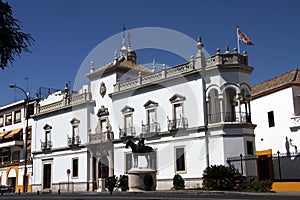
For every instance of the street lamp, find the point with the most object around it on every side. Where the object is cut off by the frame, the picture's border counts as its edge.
(26, 132)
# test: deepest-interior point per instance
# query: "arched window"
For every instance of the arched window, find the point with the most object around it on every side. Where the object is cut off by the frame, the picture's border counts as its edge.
(214, 111)
(230, 103)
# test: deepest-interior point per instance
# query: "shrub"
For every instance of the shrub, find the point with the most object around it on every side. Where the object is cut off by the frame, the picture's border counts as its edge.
(124, 183)
(220, 177)
(258, 186)
(110, 183)
(178, 182)
(148, 181)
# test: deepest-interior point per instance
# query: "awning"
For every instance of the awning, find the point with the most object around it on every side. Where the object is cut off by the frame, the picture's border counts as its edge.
(4, 133)
(13, 132)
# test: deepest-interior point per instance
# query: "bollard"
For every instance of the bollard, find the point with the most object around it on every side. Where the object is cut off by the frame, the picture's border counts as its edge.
(58, 191)
(19, 192)
(38, 193)
(50, 191)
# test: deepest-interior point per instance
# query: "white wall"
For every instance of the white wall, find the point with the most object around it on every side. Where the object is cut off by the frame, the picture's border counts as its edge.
(281, 103)
(193, 105)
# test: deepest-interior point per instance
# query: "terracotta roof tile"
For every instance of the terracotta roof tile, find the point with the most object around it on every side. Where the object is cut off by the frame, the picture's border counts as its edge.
(276, 82)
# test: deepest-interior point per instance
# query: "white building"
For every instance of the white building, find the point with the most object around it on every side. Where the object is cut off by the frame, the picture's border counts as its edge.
(276, 110)
(12, 145)
(193, 115)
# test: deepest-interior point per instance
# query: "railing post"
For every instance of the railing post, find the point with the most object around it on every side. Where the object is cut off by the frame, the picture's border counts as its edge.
(279, 167)
(242, 170)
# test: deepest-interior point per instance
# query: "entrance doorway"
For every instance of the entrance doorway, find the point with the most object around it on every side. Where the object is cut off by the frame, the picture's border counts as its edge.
(47, 176)
(103, 169)
(12, 178)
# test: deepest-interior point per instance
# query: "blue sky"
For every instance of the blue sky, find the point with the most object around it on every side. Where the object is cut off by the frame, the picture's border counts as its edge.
(66, 31)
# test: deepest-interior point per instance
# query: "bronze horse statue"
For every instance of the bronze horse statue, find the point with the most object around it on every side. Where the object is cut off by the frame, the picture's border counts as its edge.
(139, 148)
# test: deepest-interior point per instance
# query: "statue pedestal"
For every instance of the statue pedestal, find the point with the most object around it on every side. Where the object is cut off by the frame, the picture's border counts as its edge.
(101, 183)
(136, 179)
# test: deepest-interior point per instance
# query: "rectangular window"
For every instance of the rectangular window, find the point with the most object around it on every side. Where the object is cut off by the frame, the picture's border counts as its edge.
(151, 116)
(178, 114)
(128, 120)
(271, 119)
(180, 159)
(47, 136)
(75, 131)
(17, 116)
(15, 156)
(250, 150)
(128, 160)
(1, 120)
(103, 126)
(153, 160)
(75, 167)
(8, 119)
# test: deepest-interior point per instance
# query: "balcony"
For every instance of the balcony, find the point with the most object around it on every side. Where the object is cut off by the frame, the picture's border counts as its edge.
(100, 137)
(66, 102)
(177, 124)
(151, 128)
(229, 117)
(74, 141)
(46, 145)
(295, 123)
(127, 132)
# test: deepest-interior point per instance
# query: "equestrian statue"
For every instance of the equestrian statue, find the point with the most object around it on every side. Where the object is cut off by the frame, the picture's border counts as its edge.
(139, 148)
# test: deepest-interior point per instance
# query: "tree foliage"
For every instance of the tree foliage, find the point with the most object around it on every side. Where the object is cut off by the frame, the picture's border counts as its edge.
(12, 40)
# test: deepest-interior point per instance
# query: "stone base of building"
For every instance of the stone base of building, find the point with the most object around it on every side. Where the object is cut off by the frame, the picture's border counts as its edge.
(190, 183)
(63, 187)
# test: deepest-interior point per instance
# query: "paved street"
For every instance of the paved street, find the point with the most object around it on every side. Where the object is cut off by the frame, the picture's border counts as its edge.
(168, 195)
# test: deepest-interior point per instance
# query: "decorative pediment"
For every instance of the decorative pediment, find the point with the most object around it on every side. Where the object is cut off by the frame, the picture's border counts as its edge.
(177, 98)
(150, 104)
(47, 127)
(75, 121)
(127, 109)
(102, 111)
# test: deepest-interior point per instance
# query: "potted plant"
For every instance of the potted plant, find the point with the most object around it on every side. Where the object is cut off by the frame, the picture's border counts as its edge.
(148, 182)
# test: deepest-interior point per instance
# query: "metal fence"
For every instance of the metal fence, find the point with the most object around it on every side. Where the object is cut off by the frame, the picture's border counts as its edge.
(278, 167)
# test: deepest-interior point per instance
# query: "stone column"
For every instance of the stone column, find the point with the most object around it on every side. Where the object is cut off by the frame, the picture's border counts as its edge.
(249, 111)
(91, 183)
(239, 109)
(221, 109)
(209, 115)
(111, 162)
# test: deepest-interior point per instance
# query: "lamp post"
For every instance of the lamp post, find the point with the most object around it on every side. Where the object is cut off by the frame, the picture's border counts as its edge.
(26, 132)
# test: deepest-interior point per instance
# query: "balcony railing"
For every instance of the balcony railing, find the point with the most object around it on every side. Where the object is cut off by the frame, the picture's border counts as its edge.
(229, 117)
(177, 124)
(127, 132)
(151, 128)
(74, 141)
(46, 145)
(66, 101)
(154, 77)
(100, 137)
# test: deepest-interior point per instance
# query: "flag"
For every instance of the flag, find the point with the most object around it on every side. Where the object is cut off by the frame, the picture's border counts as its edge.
(243, 37)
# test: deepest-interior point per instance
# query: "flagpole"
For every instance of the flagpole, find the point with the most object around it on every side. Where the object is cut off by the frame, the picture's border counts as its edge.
(238, 41)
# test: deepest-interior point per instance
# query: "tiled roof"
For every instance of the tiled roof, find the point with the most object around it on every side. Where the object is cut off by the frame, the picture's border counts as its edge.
(276, 83)
(122, 62)
(119, 64)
